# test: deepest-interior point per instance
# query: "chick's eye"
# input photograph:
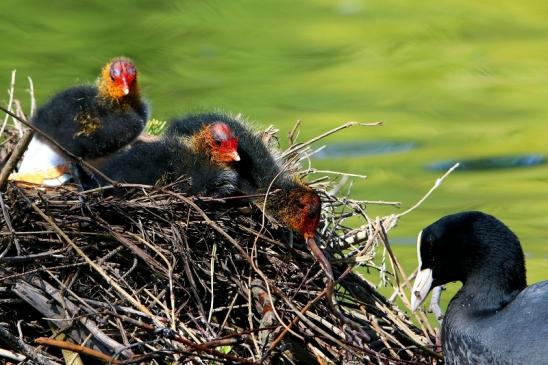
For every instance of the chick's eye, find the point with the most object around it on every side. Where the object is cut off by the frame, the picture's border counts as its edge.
(114, 72)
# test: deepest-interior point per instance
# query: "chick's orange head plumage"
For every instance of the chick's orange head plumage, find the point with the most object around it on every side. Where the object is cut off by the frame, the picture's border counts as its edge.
(118, 78)
(224, 144)
(304, 212)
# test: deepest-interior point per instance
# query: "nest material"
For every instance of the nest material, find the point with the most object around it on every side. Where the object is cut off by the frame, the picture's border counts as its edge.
(159, 277)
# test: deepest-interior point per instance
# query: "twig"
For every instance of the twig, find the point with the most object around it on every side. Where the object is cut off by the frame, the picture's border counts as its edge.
(83, 350)
(7, 219)
(11, 92)
(294, 133)
(32, 98)
(96, 267)
(27, 350)
(329, 172)
(293, 149)
(435, 304)
(434, 187)
(15, 157)
(11, 355)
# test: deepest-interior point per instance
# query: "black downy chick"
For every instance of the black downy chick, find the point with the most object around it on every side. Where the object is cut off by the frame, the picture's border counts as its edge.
(257, 166)
(94, 121)
(259, 171)
(89, 121)
(203, 158)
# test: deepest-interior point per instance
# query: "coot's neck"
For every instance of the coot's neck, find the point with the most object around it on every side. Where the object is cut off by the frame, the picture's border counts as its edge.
(491, 287)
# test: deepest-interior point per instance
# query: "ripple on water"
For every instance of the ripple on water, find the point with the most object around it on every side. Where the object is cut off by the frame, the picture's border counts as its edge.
(490, 163)
(363, 148)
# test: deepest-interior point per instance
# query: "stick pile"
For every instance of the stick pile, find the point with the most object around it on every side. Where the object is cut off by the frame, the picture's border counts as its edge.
(157, 277)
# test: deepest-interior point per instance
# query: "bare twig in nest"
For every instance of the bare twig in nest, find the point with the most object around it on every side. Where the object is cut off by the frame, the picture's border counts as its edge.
(294, 133)
(11, 92)
(76, 348)
(98, 268)
(300, 146)
(15, 157)
(27, 350)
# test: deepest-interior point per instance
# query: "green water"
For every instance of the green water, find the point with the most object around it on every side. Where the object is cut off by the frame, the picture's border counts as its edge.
(458, 79)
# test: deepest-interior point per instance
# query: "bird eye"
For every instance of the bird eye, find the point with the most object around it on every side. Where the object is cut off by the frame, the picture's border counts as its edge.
(115, 72)
(217, 142)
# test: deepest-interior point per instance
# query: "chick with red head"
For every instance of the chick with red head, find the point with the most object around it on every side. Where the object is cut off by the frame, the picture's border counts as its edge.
(260, 170)
(91, 121)
(203, 158)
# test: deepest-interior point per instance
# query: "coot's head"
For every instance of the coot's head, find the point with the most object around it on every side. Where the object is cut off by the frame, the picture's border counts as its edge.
(223, 143)
(299, 207)
(118, 78)
(217, 141)
(464, 245)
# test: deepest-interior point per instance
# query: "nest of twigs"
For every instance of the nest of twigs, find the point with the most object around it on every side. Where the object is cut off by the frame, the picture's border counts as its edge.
(158, 277)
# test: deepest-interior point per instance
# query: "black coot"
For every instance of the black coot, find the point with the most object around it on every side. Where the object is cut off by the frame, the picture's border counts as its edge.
(494, 318)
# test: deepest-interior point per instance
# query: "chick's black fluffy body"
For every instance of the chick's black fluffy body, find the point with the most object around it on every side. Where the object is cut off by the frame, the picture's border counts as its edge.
(257, 167)
(167, 160)
(89, 125)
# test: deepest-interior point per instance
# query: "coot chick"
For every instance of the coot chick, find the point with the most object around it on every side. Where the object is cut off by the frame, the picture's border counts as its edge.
(94, 121)
(494, 318)
(298, 207)
(258, 163)
(260, 170)
(89, 121)
(203, 158)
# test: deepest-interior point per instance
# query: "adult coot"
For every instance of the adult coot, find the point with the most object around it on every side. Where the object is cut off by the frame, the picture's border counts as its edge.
(494, 318)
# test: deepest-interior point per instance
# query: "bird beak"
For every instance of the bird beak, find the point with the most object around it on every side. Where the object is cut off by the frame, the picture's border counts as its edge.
(318, 254)
(235, 156)
(423, 280)
(421, 287)
(125, 86)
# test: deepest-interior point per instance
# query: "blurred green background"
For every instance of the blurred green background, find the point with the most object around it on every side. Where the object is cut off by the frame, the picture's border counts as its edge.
(452, 79)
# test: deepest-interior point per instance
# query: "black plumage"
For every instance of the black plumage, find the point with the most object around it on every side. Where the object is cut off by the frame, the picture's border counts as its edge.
(258, 165)
(89, 125)
(494, 318)
(260, 170)
(167, 160)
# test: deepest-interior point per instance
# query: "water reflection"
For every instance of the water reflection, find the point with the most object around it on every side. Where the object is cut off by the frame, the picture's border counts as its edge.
(363, 148)
(491, 163)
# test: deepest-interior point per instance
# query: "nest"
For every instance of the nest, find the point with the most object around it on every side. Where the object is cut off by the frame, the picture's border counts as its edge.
(158, 277)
